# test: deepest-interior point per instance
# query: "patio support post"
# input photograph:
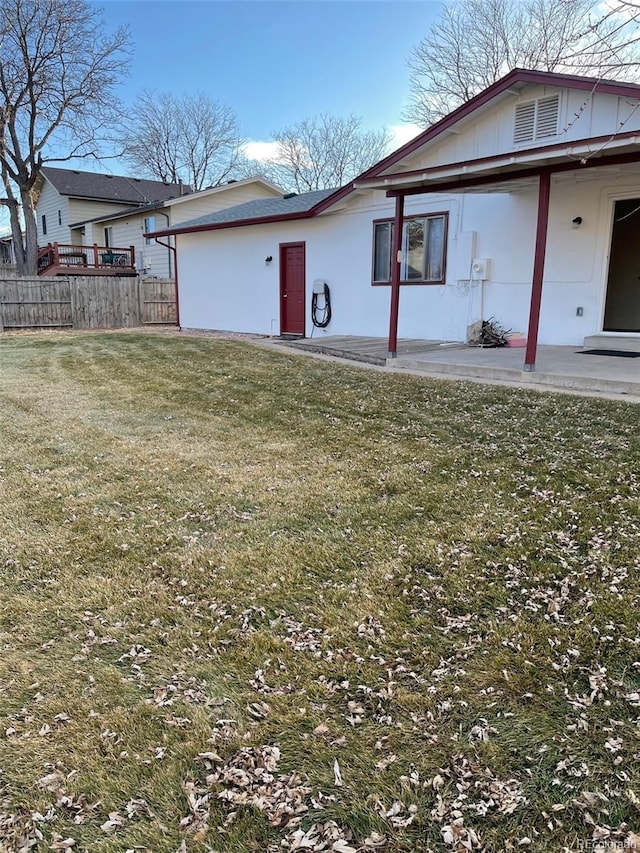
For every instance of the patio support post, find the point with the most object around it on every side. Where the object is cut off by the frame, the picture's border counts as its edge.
(544, 191)
(396, 255)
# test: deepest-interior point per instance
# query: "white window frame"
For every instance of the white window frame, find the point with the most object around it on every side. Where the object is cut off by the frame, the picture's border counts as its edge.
(149, 224)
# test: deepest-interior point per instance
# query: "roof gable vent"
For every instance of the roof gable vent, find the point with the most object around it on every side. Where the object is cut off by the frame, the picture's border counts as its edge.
(536, 119)
(547, 116)
(525, 122)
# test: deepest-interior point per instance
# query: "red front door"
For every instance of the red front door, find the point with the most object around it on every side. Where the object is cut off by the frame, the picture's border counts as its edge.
(292, 297)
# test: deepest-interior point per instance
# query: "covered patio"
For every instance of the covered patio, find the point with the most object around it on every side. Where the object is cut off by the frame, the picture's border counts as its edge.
(548, 169)
(580, 369)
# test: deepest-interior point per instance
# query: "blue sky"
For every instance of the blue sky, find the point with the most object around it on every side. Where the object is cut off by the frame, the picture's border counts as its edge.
(278, 62)
(274, 63)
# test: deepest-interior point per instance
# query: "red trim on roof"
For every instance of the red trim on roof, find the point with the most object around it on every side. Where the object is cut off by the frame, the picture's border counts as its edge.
(516, 174)
(540, 149)
(214, 226)
(261, 220)
(566, 81)
(518, 75)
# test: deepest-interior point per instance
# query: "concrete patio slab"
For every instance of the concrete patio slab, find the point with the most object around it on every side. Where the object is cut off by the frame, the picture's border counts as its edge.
(560, 368)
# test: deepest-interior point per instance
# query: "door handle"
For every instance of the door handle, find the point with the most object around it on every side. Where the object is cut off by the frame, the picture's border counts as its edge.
(284, 296)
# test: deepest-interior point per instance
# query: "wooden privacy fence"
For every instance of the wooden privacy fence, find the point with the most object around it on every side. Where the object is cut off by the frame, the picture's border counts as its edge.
(85, 302)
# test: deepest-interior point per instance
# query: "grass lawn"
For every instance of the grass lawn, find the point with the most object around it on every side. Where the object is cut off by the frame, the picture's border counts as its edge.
(257, 602)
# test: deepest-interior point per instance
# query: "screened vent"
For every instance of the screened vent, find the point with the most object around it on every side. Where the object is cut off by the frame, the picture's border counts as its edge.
(525, 122)
(547, 117)
(536, 119)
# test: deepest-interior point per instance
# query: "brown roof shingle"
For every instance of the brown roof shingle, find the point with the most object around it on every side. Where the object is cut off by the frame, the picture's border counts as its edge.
(70, 182)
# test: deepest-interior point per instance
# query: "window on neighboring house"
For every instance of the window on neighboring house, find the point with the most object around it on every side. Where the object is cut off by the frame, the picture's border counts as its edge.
(108, 236)
(536, 119)
(149, 225)
(59, 217)
(423, 250)
(44, 224)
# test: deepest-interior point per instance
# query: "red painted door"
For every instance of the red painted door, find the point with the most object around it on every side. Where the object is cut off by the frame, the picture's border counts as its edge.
(292, 295)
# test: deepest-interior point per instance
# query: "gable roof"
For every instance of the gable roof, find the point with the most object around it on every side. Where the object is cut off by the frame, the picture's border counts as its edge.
(374, 177)
(229, 185)
(170, 202)
(257, 211)
(117, 188)
(515, 79)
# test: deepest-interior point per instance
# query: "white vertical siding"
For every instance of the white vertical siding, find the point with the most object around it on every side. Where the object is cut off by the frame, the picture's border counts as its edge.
(581, 114)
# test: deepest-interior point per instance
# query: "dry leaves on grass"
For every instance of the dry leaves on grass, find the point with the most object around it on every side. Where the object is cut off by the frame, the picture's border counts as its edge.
(250, 778)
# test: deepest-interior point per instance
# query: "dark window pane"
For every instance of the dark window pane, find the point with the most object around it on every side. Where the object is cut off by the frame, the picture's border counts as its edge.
(435, 249)
(382, 252)
(413, 250)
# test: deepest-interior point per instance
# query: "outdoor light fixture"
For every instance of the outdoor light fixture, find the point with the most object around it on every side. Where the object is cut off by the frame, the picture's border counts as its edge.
(577, 222)
(268, 259)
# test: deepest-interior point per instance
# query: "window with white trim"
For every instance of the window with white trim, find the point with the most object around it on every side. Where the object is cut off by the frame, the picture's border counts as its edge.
(423, 250)
(536, 119)
(149, 225)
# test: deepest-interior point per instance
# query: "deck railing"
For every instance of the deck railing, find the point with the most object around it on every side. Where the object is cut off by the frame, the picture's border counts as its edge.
(109, 260)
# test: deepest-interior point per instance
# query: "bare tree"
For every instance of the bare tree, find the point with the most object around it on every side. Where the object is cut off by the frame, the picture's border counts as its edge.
(475, 42)
(58, 67)
(190, 138)
(324, 152)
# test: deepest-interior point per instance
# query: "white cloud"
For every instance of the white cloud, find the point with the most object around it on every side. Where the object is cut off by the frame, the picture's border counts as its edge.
(401, 133)
(261, 151)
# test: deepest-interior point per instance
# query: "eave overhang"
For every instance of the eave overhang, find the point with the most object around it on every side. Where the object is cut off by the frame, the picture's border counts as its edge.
(504, 167)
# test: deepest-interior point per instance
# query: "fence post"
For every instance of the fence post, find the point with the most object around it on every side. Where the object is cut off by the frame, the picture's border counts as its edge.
(140, 302)
(73, 303)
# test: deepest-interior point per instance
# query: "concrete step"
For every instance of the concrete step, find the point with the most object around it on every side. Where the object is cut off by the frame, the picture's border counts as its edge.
(626, 343)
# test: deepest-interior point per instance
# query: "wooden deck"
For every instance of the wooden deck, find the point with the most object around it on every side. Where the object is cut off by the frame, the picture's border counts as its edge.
(362, 348)
(65, 259)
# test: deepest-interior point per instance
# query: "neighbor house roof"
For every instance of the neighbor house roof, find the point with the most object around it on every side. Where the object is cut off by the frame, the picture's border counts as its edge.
(170, 202)
(119, 188)
(121, 214)
(210, 191)
(253, 212)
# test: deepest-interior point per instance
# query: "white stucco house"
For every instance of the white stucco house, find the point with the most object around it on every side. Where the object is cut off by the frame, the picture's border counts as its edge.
(523, 205)
(111, 211)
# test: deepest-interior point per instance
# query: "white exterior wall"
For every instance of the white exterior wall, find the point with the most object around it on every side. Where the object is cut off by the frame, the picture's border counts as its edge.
(225, 283)
(49, 203)
(490, 132)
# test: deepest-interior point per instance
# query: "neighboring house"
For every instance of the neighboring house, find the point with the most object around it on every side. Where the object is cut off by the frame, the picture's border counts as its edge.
(529, 192)
(7, 254)
(127, 227)
(67, 198)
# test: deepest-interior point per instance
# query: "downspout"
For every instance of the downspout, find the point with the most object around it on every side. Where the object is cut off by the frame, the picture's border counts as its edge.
(166, 216)
(175, 268)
